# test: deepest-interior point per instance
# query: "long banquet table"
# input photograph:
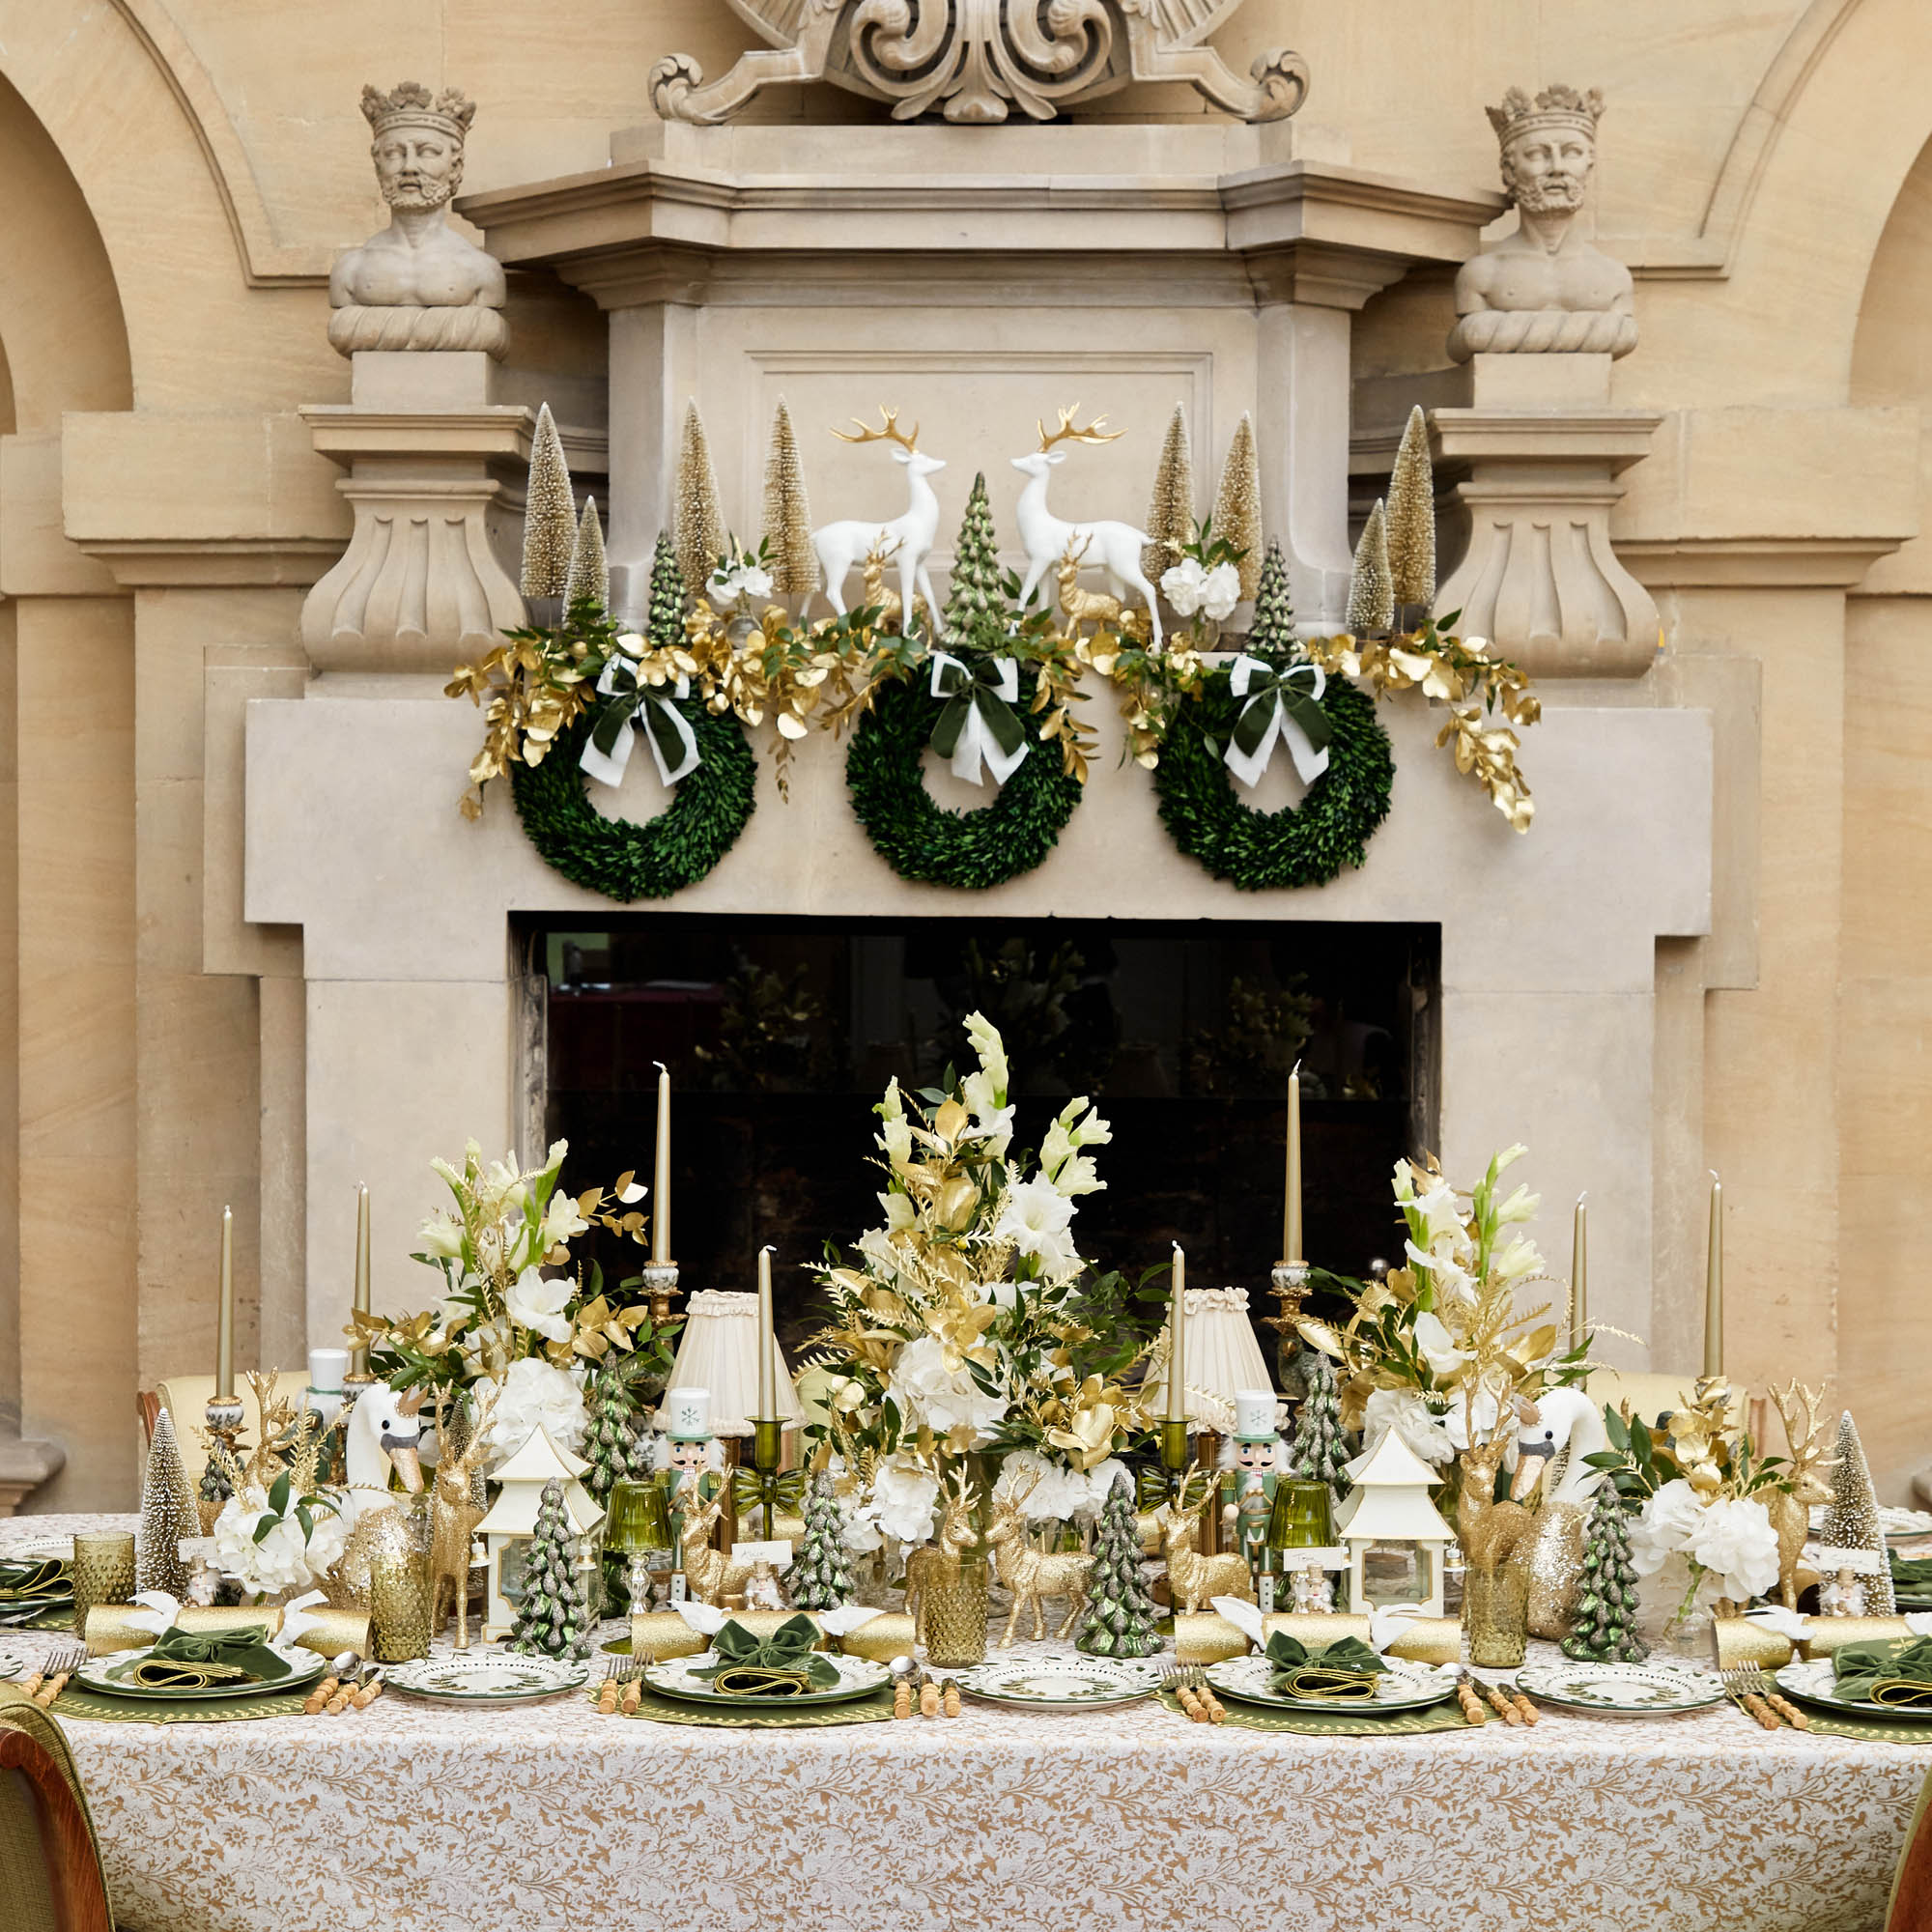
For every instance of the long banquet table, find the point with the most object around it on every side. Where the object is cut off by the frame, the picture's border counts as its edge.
(545, 1817)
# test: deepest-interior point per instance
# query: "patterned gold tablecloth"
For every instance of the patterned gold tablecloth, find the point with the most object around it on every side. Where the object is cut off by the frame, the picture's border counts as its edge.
(546, 1817)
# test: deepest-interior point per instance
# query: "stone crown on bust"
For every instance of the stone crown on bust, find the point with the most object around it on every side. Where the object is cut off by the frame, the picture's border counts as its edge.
(411, 104)
(1553, 107)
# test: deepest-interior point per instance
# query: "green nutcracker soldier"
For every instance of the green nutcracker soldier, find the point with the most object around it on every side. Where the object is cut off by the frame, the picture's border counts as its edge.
(1253, 1461)
(688, 1459)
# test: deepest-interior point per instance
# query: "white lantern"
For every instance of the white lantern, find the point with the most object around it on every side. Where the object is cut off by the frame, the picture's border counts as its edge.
(1387, 1522)
(512, 1520)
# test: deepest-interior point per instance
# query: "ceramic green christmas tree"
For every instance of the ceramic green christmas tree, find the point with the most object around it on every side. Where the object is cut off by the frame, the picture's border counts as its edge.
(1603, 1624)
(1119, 1620)
(1274, 610)
(665, 624)
(821, 1581)
(976, 613)
(610, 1447)
(552, 1617)
(1319, 1451)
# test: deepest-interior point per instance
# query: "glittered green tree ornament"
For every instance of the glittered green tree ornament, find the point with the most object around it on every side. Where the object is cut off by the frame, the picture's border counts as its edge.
(550, 515)
(1119, 1620)
(609, 1446)
(1170, 517)
(787, 514)
(589, 573)
(665, 622)
(1237, 508)
(976, 613)
(552, 1618)
(1273, 625)
(1370, 588)
(1603, 1624)
(821, 1578)
(1411, 517)
(1320, 1450)
(1852, 1519)
(700, 535)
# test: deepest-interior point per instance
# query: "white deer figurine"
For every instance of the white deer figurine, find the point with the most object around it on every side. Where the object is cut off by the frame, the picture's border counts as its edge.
(1116, 548)
(910, 537)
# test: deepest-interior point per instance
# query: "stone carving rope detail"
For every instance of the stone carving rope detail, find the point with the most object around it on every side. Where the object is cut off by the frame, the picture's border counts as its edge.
(977, 60)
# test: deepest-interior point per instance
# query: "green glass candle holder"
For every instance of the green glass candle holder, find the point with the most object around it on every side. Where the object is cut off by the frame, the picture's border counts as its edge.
(637, 1525)
(1300, 1519)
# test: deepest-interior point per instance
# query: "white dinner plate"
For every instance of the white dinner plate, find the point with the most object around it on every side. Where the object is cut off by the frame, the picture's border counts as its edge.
(304, 1667)
(1619, 1690)
(1062, 1682)
(506, 1679)
(857, 1677)
(1401, 1687)
(1816, 1683)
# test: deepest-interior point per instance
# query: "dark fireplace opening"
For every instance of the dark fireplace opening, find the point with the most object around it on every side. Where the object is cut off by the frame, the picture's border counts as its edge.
(781, 1034)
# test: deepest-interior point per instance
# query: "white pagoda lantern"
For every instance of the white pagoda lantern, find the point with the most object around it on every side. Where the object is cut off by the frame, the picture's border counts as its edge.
(1396, 1537)
(506, 1531)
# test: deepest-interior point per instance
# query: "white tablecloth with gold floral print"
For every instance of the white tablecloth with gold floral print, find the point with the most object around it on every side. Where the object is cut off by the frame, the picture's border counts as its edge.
(546, 1817)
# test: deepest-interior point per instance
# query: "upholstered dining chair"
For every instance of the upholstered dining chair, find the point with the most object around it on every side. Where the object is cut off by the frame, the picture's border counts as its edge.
(51, 1878)
(1911, 1884)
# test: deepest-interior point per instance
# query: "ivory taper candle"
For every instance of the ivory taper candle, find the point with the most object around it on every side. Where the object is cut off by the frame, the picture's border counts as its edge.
(1291, 1208)
(767, 1341)
(660, 1171)
(1176, 1342)
(358, 1362)
(1580, 1268)
(1714, 1283)
(224, 1332)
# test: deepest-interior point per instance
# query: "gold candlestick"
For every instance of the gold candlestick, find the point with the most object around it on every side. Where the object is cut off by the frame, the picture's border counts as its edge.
(224, 1332)
(1291, 1210)
(660, 1171)
(1714, 1283)
(1579, 1262)
(359, 1355)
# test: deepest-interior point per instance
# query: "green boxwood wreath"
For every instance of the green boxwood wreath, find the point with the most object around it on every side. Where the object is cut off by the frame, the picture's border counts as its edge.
(1303, 844)
(651, 860)
(927, 842)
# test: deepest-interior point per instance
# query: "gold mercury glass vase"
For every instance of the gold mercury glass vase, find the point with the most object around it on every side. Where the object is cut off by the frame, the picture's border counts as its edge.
(400, 1589)
(1496, 1614)
(955, 1618)
(103, 1571)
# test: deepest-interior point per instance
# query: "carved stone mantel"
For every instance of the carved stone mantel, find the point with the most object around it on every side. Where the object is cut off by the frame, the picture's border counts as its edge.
(1240, 252)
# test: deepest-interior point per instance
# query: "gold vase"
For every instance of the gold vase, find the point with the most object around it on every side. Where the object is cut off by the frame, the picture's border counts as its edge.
(103, 1571)
(955, 1619)
(1496, 1614)
(401, 1593)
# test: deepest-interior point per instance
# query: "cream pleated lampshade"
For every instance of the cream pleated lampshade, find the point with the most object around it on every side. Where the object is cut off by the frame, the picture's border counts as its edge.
(719, 1350)
(1220, 1356)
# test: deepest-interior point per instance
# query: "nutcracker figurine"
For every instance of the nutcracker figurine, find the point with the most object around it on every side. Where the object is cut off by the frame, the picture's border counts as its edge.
(688, 1459)
(1252, 1462)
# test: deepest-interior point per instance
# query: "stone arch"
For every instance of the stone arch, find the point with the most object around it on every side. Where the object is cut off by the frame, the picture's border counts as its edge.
(67, 845)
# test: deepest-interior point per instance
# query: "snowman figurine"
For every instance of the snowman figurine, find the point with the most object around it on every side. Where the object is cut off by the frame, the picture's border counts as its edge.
(1253, 1462)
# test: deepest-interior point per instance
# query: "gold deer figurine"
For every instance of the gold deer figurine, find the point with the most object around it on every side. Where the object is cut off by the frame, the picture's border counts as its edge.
(1492, 1532)
(1194, 1580)
(458, 1505)
(1082, 607)
(710, 1575)
(1790, 1510)
(939, 1562)
(1031, 1574)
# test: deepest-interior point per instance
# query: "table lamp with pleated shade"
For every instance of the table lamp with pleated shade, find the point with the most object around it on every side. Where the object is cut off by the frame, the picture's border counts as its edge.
(1222, 1357)
(719, 1350)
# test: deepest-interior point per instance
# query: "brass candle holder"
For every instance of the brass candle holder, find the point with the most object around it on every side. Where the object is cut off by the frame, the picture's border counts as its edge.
(222, 1420)
(767, 1450)
(660, 1284)
(1289, 1285)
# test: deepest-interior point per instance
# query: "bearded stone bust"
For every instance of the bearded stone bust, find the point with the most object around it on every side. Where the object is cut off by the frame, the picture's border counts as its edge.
(417, 284)
(1545, 288)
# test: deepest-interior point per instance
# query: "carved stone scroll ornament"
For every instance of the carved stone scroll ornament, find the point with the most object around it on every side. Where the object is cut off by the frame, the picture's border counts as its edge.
(417, 284)
(975, 61)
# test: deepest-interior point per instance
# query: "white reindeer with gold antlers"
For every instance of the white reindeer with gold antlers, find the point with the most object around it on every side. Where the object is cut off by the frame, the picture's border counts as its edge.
(939, 1562)
(1031, 1574)
(1116, 548)
(840, 546)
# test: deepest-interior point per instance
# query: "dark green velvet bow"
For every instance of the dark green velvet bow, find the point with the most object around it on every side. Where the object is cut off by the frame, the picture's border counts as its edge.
(1897, 1672)
(986, 686)
(1267, 685)
(783, 1664)
(1344, 1671)
(193, 1660)
(34, 1577)
(630, 699)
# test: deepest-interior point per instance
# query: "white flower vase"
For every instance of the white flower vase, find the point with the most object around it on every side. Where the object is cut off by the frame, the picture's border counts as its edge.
(1671, 1619)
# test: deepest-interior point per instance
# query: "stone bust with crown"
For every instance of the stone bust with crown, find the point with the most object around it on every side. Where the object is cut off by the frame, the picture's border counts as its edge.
(1545, 288)
(417, 284)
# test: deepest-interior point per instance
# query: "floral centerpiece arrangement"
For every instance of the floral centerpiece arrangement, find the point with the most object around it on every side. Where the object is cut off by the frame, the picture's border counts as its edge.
(515, 1312)
(969, 1322)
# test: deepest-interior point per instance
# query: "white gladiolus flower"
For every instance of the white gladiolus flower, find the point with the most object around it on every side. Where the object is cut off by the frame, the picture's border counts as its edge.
(987, 1043)
(440, 1236)
(562, 1222)
(1220, 592)
(992, 1121)
(1665, 1525)
(536, 1395)
(1182, 583)
(929, 1394)
(1519, 1259)
(1078, 1175)
(1439, 1347)
(1037, 1218)
(1521, 1206)
(1733, 1538)
(538, 1305)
